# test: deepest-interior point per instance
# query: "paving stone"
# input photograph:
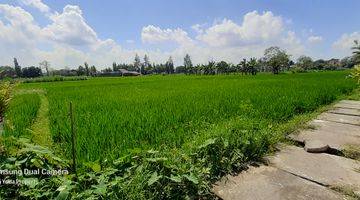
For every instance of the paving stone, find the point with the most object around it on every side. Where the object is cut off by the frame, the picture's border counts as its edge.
(269, 183)
(336, 135)
(315, 146)
(322, 168)
(347, 119)
(345, 111)
(348, 104)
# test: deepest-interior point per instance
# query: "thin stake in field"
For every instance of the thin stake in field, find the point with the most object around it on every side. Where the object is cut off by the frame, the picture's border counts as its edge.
(73, 139)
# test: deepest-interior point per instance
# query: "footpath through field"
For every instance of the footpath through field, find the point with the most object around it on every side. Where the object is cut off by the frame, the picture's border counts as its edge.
(326, 167)
(40, 129)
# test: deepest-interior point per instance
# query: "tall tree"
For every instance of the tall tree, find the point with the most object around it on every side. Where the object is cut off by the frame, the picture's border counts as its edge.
(305, 63)
(276, 58)
(188, 64)
(45, 65)
(170, 65)
(114, 66)
(222, 67)
(146, 61)
(87, 70)
(253, 66)
(356, 51)
(93, 70)
(146, 65)
(17, 68)
(244, 67)
(31, 72)
(137, 63)
(81, 71)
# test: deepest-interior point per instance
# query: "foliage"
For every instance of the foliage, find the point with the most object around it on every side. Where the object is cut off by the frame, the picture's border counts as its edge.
(31, 72)
(5, 91)
(137, 63)
(7, 72)
(17, 68)
(22, 157)
(304, 63)
(170, 66)
(355, 73)
(276, 58)
(188, 64)
(54, 79)
(356, 51)
(297, 69)
(45, 65)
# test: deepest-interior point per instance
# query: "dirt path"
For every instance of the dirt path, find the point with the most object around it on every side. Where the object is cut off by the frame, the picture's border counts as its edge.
(325, 164)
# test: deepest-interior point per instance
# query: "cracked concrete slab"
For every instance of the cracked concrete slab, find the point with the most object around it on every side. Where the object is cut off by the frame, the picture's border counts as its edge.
(346, 119)
(325, 169)
(336, 135)
(345, 111)
(269, 183)
(294, 173)
(348, 104)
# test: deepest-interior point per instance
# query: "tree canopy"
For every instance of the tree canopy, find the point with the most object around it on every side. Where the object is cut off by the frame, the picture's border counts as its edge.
(356, 51)
(276, 58)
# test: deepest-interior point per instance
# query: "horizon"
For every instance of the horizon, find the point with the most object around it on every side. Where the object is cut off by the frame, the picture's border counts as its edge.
(69, 33)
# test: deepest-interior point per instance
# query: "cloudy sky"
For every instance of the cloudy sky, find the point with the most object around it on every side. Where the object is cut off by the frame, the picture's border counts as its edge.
(68, 33)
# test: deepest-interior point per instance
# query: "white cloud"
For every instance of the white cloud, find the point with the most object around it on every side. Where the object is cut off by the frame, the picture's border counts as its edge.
(19, 34)
(313, 39)
(346, 41)
(70, 28)
(38, 4)
(153, 34)
(198, 28)
(255, 28)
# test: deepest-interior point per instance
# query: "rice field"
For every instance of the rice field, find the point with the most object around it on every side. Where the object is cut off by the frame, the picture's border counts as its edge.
(20, 116)
(115, 115)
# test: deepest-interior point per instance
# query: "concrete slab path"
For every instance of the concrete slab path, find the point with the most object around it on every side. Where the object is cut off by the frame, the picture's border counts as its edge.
(294, 173)
(270, 183)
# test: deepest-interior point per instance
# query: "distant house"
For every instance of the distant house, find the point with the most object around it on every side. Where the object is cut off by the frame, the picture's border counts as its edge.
(125, 72)
(120, 72)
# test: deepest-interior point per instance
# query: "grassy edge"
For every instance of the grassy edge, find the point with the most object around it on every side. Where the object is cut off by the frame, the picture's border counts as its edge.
(40, 129)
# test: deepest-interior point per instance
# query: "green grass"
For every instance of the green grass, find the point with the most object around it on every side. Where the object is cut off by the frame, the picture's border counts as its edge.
(53, 79)
(20, 114)
(114, 115)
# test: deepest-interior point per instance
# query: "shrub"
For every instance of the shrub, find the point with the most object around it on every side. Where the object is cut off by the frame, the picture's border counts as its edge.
(356, 73)
(5, 89)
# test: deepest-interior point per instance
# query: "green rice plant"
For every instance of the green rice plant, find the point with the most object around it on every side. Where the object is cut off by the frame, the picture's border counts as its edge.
(54, 79)
(5, 90)
(21, 114)
(115, 115)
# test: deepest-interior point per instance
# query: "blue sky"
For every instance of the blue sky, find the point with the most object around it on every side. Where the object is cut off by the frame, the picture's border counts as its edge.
(67, 33)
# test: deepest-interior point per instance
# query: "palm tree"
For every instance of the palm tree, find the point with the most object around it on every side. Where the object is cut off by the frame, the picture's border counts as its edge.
(356, 51)
(244, 67)
(252, 66)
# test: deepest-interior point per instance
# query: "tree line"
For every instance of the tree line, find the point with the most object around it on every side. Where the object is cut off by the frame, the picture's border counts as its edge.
(274, 60)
